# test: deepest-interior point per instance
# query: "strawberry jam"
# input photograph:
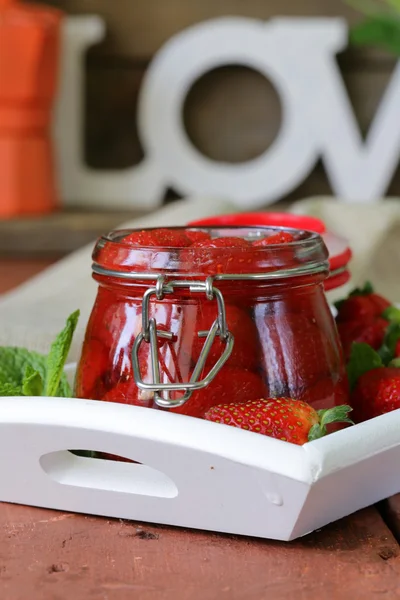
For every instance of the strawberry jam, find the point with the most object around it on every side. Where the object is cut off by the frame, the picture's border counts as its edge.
(259, 291)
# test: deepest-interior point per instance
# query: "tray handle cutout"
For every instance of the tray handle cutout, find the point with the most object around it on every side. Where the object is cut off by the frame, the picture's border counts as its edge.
(101, 474)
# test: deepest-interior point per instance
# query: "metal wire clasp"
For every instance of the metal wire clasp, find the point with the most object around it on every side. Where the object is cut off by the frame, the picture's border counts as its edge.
(150, 335)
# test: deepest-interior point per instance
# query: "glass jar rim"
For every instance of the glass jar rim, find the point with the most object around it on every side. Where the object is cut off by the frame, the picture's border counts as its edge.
(302, 236)
(306, 255)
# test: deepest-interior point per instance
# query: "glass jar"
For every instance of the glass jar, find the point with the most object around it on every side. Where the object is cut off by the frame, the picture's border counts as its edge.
(186, 328)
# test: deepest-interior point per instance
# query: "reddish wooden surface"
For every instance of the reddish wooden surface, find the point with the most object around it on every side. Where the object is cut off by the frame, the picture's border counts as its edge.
(391, 512)
(47, 555)
(13, 272)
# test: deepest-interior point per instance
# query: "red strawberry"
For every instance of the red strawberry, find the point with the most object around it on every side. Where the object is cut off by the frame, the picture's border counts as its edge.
(195, 235)
(281, 418)
(282, 237)
(246, 346)
(230, 385)
(376, 392)
(362, 305)
(160, 238)
(371, 333)
(375, 387)
(374, 333)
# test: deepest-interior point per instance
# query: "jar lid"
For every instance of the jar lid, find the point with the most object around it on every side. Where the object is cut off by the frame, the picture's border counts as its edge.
(339, 251)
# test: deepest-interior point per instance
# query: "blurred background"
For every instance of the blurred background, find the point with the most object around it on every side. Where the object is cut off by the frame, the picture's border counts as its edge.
(231, 114)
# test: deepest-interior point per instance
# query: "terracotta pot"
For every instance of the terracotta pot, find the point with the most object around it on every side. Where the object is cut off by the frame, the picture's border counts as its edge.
(29, 59)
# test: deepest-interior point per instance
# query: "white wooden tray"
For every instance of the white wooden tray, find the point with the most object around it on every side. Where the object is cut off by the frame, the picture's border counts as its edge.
(193, 473)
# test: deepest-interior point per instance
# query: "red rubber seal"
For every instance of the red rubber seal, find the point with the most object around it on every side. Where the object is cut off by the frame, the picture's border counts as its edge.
(263, 219)
(339, 252)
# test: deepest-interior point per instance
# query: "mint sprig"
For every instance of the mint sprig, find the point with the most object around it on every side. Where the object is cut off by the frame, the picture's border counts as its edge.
(8, 389)
(27, 373)
(58, 355)
(32, 384)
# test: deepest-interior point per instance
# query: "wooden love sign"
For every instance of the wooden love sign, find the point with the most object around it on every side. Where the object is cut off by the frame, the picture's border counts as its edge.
(296, 54)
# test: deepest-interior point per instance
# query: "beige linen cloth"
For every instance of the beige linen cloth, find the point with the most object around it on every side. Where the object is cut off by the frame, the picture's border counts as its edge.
(373, 232)
(32, 315)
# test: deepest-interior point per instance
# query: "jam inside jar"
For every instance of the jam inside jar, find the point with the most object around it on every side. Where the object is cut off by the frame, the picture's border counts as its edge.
(211, 316)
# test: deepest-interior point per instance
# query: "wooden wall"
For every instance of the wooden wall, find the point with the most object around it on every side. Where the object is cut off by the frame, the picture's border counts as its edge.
(231, 114)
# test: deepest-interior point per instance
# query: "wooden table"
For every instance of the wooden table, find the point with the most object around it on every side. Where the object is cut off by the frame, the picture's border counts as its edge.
(48, 555)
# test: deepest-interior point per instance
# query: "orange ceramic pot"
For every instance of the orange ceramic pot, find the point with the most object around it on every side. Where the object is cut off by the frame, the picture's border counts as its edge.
(29, 59)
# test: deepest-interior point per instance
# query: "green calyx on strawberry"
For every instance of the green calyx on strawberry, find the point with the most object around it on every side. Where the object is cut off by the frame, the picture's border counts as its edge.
(285, 419)
(374, 378)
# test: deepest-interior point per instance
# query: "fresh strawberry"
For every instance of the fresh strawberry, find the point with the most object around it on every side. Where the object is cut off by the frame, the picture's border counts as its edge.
(374, 378)
(362, 306)
(160, 238)
(230, 385)
(282, 237)
(285, 419)
(246, 346)
(196, 235)
(377, 392)
(372, 333)
(362, 318)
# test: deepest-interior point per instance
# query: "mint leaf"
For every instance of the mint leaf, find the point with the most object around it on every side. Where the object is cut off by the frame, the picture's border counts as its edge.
(13, 364)
(14, 361)
(64, 389)
(8, 389)
(58, 355)
(363, 358)
(32, 384)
